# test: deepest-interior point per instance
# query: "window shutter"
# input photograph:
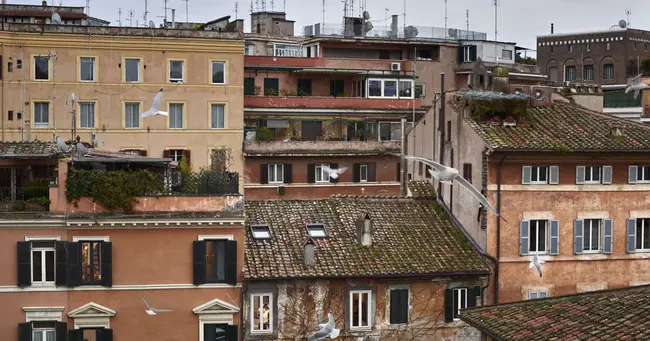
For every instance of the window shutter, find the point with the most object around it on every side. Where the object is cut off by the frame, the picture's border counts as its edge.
(632, 174)
(607, 175)
(188, 158)
(372, 172)
(210, 331)
(578, 235)
(24, 264)
(398, 178)
(356, 172)
(60, 255)
(449, 305)
(608, 236)
(554, 176)
(523, 237)
(107, 264)
(311, 173)
(394, 307)
(264, 173)
(526, 172)
(472, 53)
(107, 334)
(231, 262)
(73, 261)
(199, 262)
(143, 152)
(75, 335)
(61, 329)
(631, 236)
(334, 166)
(25, 331)
(471, 297)
(232, 333)
(288, 173)
(555, 237)
(460, 54)
(580, 175)
(404, 299)
(166, 154)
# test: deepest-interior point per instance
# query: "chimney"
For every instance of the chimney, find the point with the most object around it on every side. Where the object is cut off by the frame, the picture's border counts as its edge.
(44, 4)
(309, 253)
(500, 79)
(364, 230)
(173, 18)
(393, 26)
(552, 28)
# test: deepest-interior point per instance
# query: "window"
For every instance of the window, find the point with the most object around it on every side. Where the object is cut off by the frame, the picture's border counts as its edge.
(570, 48)
(460, 301)
(215, 261)
(176, 155)
(608, 72)
(261, 231)
(538, 236)
(176, 71)
(588, 47)
(271, 86)
(132, 115)
(249, 86)
(316, 230)
(337, 87)
(360, 309)
(588, 73)
(405, 88)
(304, 87)
(276, 174)
(41, 114)
(643, 174)
(43, 331)
(570, 73)
(643, 234)
(448, 131)
(634, 46)
(86, 114)
(537, 294)
(87, 69)
(609, 46)
(218, 72)
(91, 272)
(43, 262)
(261, 313)
(217, 116)
(176, 116)
(552, 49)
(374, 88)
(591, 236)
(399, 306)
(467, 54)
(506, 54)
(321, 174)
(41, 68)
(467, 172)
(390, 88)
(593, 174)
(363, 173)
(539, 175)
(131, 70)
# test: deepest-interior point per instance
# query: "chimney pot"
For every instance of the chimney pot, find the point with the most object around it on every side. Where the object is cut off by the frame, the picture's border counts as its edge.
(309, 253)
(552, 28)
(364, 230)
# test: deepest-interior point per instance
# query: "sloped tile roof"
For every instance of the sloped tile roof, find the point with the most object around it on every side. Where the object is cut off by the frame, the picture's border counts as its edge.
(565, 127)
(621, 314)
(27, 150)
(421, 190)
(410, 237)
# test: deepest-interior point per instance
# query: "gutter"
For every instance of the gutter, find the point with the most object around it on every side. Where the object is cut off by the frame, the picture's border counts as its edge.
(496, 264)
(434, 274)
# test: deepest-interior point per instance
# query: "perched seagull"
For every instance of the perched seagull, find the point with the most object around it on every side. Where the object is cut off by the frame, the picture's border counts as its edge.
(153, 311)
(325, 330)
(636, 85)
(155, 106)
(448, 175)
(537, 264)
(334, 173)
(94, 141)
(60, 145)
(81, 150)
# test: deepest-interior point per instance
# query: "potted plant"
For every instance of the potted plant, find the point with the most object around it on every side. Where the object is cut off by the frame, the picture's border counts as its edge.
(257, 90)
(322, 136)
(521, 121)
(37, 204)
(510, 122)
(495, 120)
(357, 135)
(264, 134)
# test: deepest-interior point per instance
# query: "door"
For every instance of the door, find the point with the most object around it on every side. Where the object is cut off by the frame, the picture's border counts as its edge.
(552, 74)
(311, 129)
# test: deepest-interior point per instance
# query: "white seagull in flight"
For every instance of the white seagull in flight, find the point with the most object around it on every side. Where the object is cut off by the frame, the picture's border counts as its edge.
(334, 173)
(636, 85)
(155, 106)
(154, 311)
(325, 330)
(537, 263)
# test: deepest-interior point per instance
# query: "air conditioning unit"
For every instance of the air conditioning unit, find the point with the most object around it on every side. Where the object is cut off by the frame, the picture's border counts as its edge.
(395, 66)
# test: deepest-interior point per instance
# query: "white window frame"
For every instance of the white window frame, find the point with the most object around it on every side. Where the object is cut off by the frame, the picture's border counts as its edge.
(126, 70)
(588, 47)
(606, 76)
(383, 87)
(42, 249)
(458, 295)
(261, 296)
(318, 169)
(277, 167)
(263, 226)
(506, 54)
(174, 157)
(546, 237)
(590, 170)
(176, 80)
(537, 294)
(212, 122)
(467, 53)
(640, 173)
(642, 236)
(94, 69)
(363, 173)
(360, 302)
(137, 114)
(92, 105)
(44, 332)
(212, 71)
(42, 124)
(586, 226)
(536, 169)
(325, 235)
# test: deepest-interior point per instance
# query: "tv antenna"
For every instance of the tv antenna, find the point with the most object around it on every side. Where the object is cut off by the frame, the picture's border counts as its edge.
(87, 7)
(146, 11)
(119, 17)
(467, 20)
(496, 29)
(445, 19)
(236, 10)
(272, 6)
(187, 10)
(130, 19)
(628, 13)
(323, 28)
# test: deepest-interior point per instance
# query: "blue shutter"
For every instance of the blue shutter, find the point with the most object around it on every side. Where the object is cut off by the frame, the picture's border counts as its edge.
(608, 235)
(523, 237)
(578, 233)
(580, 175)
(607, 175)
(525, 177)
(631, 236)
(554, 176)
(631, 174)
(555, 237)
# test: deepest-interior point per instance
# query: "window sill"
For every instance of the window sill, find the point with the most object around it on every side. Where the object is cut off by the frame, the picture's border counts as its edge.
(220, 128)
(40, 127)
(398, 326)
(86, 81)
(216, 285)
(360, 330)
(44, 285)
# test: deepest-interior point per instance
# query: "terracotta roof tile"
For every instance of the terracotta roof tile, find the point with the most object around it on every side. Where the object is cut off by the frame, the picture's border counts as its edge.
(16, 150)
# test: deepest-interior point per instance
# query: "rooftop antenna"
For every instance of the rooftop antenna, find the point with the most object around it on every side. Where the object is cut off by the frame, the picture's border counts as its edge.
(404, 15)
(146, 11)
(272, 5)
(323, 28)
(119, 17)
(87, 7)
(166, 8)
(467, 17)
(496, 29)
(264, 5)
(251, 6)
(628, 13)
(284, 6)
(445, 19)
(130, 19)
(351, 9)
(386, 21)
(236, 11)
(187, 10)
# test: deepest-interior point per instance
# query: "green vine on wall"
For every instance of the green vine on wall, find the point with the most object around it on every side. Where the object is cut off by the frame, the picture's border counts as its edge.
(112, 189)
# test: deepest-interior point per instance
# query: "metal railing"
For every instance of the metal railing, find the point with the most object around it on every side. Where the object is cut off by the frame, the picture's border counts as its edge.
(205, 182)
(23, 193)
(411, 32)
(288, 51)
(621, 100)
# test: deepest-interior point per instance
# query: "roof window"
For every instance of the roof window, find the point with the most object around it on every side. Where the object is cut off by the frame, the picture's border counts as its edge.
(316, 231)
(261, 231)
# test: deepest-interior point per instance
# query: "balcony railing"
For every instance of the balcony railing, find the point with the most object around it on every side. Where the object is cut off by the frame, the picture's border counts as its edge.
(331, 102)
(410, 33)
(289, 51)
(621, 100)
(322, 147)
(24, 199)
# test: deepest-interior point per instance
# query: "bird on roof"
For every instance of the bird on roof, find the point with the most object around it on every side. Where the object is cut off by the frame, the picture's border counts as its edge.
(155, 106)
(448, 175)
(636, 84)
(81, 150)
(537, 263)
(325, 330)
(94, 141)
(334, 173)
(61, 145)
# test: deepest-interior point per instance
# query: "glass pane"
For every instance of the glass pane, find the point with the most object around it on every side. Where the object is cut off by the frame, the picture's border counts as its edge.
(132, 67)
(38, 335)
(541, 242)
(50, 335)
(532, 235)
(646, 173)
(365, 300)
(37, 266)
(384, 132)
(319, 173)
(405, 88)
(463, 299)
(266, 312)
(542, 173)
(586, 237)
(132, 115)
(363, 176)
(217, 115)
(97, 273)
(532, 295)
(176, 115)
(87, 115)
(390, 88)
(456, 303)
(355, 309)
(176, 70)
(639, 233)
(86, 267)
(646, 234)
(218, 72)
(271, 173)
(87, 68)
(374, 88)
(210, 261)
(220, 260)
(49, 266)
(41, 65)
(257, 312)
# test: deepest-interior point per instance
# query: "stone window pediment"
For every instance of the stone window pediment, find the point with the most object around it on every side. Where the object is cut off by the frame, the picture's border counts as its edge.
(91, 315)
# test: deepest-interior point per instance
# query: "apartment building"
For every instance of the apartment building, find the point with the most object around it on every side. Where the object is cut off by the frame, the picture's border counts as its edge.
(79, 263)
(69, 80)
(43, 14)
(385, 268)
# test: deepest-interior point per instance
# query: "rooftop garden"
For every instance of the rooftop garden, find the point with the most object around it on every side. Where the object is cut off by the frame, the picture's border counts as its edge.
(494, 107)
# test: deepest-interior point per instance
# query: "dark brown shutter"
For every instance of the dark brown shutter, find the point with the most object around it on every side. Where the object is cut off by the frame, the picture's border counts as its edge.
(232, 332)
(264, 173)
(75, 335)
(356, 172)
(449, 305)
(61, 329)
(334, 166)
(394, 307)
(372, 172)
(471, 296)
(288, 173)
(166, 154)
(107, 264)
(107, 334)
(24, 264)
(143, 152)
(399, 172)
(199, 262)
(25, 331)
(73, 257)
(187, 158)
(60, 279)
(231, 262)
(311, 173)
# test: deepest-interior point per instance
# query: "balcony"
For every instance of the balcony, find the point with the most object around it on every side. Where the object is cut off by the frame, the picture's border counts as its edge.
(618, 99)
(25, 188)
(333, 65)
(314, 102)
(297, 148)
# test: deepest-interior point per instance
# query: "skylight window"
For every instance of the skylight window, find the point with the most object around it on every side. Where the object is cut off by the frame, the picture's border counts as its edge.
(261, 231)
(316, 230)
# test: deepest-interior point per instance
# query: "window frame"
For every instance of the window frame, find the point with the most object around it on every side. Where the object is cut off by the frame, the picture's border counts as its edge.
(261, 296)
(169, 71)
(223, 62)
(535, 169)
(216, 279)
(44, 282)
(546, 236)
(537, 294)
(94, 116)
(592, 72)
(363, 168)
(382, 87)
(509, 54)
(94, 60)
(606, 76)
(313, 225)
(49, 68)
(35, 124)
(276, 166)
(211, 105)
(43, 331)
(467, 172)
(174, 157)
(574, 74)
(360, 292)
(258, 226)
(587, 226)
(124, 115)
(643, 236)
(92, 241)
(467, 54)
(124, 74)
(318, 169)
(169, 117)
(640, 173)
(590, 170)
(458, 299)
(408, 304)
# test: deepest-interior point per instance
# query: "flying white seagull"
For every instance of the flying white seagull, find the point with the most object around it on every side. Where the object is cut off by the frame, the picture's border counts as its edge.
(448, 175)
(155, 106)
(154, 311)
(537, 263)
(325, 330)
(636, 85)
(334, 173)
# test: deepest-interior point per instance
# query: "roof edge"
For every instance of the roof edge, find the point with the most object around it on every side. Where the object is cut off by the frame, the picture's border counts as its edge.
(432, 274)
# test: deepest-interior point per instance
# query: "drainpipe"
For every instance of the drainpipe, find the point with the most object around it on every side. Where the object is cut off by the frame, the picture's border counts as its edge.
(496, 264)
(403, 169)
(243, 290)
(441, 126)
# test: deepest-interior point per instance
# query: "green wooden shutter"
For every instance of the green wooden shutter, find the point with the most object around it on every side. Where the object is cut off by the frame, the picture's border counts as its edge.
(449, 305)
(75, 335)
(73, 257)
(24, 264)
(372, 172)
(231, 262)
(288, 173)
(473, 53)
(25, 331)
(232, 333)
(461, 58)
(106, 334)
(107, 264)
(60, 271)
(356, 172)
(199, 249)
(311, 173)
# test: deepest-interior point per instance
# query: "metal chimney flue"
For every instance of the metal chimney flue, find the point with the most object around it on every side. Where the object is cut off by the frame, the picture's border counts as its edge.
(552, 28)
(393, 26)
(364, 230)
(173, 18)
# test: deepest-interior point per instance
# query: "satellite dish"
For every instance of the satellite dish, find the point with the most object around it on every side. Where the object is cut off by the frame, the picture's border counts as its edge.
(453, 33)
(366, 15)
(539, 94)
(622, 23)
(152, 24)
(367, 27)
(56, 18)
(411, 32)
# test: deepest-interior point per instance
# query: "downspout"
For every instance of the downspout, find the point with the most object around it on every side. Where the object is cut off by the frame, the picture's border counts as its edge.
(2, 120)
(243, 305)
(496, 265)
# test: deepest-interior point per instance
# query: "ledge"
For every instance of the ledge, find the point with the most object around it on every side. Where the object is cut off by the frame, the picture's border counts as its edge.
(297, 148)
